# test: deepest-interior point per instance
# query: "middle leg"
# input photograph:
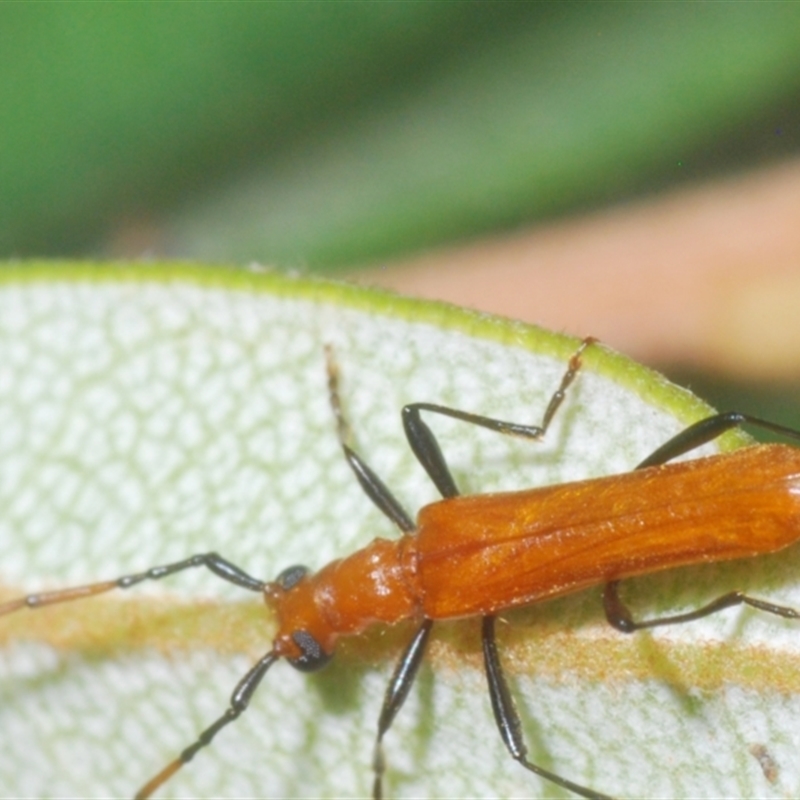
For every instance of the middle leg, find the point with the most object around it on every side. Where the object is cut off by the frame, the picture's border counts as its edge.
(426, 447)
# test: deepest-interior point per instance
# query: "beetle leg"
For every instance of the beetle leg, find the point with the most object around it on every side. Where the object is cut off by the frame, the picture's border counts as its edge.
(396, 693)
(426, 447)
(706, 430)
(620, 617)
(507, 716)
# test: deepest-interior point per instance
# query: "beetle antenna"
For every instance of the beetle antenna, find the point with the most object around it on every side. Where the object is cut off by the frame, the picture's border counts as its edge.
(239, 701)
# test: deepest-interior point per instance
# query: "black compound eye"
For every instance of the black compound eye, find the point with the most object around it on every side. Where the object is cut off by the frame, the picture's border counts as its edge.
(313, 657)
(291, 576)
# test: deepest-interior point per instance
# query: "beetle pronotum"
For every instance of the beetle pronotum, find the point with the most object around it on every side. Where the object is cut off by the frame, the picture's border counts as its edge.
(478, 555)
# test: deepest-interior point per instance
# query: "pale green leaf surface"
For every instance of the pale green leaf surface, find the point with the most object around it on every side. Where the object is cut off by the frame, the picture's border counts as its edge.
(148, 413)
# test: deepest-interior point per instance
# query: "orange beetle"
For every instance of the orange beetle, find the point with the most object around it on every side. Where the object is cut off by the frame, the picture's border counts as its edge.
(480, 554)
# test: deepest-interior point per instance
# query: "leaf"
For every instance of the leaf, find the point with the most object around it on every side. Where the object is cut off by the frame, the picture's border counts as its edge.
(149, 413)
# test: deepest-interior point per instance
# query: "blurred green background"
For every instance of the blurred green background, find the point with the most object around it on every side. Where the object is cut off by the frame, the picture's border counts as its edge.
(325, 135)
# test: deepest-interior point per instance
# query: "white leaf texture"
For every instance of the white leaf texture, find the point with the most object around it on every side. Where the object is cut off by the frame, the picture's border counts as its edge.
(147, 418)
